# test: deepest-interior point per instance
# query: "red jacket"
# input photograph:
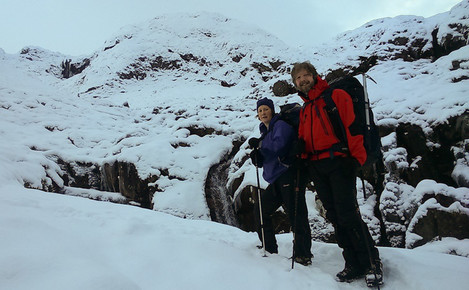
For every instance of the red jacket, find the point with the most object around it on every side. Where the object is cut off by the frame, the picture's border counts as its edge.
(316, 129)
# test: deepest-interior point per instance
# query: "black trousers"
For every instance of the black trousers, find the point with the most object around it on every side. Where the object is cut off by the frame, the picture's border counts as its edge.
(335, 183)
(282, 192)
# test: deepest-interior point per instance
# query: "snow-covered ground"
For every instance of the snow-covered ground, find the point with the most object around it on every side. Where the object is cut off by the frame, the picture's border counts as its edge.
(52, 241)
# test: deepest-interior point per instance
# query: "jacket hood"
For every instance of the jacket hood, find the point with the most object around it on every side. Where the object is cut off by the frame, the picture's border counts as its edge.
(320, 86)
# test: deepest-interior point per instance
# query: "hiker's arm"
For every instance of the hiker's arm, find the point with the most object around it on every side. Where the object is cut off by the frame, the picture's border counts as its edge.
(282, 138)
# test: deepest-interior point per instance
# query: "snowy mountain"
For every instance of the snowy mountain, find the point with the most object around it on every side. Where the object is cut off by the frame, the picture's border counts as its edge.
(158, 117)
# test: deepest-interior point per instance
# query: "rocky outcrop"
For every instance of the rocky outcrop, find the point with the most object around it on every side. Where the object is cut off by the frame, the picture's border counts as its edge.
(438, 214)
(119, 177)
(436, 163)
(69, 68)
(283, 88)
(419, 203)
(123, 177)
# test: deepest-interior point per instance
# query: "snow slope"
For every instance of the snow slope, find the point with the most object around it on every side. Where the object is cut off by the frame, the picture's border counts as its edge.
(53, 241)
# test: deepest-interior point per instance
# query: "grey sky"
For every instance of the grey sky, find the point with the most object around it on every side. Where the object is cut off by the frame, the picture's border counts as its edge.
(79, 27)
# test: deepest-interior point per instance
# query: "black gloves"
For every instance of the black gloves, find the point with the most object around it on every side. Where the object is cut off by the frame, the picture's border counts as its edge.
(254, 143)
(299, 147)
(256, 157)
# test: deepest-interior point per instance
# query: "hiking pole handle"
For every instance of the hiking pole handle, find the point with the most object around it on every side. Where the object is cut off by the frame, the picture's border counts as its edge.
(367, 102)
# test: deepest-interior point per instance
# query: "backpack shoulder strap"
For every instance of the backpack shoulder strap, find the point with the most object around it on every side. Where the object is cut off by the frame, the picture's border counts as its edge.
(334, 116)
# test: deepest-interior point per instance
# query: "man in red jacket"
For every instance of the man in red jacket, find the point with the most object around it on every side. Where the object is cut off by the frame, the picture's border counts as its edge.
(333, 172)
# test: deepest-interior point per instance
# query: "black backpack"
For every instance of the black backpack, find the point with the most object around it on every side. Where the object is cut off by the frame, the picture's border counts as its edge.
(362, 125)
(290, 113)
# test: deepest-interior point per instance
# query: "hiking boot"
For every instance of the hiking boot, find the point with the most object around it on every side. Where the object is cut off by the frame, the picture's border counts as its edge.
(270, 250)
(374, 275)
(305, 261)
(350, 273)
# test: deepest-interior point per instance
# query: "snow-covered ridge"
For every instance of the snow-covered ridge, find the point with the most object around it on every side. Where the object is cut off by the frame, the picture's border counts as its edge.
(205, 47)
(403, 37)
(99, 117)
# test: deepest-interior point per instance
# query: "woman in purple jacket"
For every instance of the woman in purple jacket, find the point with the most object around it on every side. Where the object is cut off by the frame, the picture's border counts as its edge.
(271, 151)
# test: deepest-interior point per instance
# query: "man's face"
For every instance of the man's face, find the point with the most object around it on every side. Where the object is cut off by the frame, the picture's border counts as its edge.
(304, 81)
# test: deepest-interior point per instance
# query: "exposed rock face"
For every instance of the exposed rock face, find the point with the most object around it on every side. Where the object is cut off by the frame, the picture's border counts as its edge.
(118, 177)
(70, 69)
(432, 212)
(123, 177)
(438, 215)
(425, 164)
(440, 223)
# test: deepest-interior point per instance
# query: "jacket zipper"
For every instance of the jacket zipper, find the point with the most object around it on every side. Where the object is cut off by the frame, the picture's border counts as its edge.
(311, 126)
(322, 121)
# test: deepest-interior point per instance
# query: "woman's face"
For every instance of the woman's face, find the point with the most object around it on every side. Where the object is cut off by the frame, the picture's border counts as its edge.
(264, 113)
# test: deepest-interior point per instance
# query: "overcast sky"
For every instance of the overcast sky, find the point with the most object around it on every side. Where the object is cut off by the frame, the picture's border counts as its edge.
(77, 27)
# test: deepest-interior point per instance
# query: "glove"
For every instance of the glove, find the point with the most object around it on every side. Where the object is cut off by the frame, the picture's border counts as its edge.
(256, 157)
(299, 163)
(254, 143)
(299, 147)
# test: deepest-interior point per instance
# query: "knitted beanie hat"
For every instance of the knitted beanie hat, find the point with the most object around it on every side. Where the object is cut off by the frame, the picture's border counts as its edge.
(267, 102)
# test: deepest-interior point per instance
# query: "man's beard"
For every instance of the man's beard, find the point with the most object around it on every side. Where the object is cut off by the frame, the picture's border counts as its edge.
(305, 86)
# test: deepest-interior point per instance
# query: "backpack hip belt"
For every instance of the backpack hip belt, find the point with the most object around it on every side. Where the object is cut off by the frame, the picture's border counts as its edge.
(337, 147)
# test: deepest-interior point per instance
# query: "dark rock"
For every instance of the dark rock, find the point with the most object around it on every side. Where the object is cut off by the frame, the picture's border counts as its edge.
(136, 74)
(159, 63)
(238, 58)
(80, 174)
(70, 69)
(449, 42)
(244, 208)
(441, 223)
(123, 177)
(203, 131)
(261, 68)
(283, 88)
(226, 85)
(276, 64)
(424, 164)
(338, 73)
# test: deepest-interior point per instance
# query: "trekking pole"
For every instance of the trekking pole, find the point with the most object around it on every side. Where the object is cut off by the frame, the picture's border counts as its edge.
(297, 192)
(363, 184)
(368, 248)
(260, 207)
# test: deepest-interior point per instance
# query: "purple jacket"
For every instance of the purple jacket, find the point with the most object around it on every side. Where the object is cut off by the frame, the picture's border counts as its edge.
(275, 146)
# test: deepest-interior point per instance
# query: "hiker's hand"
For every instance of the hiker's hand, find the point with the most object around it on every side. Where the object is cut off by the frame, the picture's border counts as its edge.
(254, 143)
(299, 147)
(256, 157)
(299, 163)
